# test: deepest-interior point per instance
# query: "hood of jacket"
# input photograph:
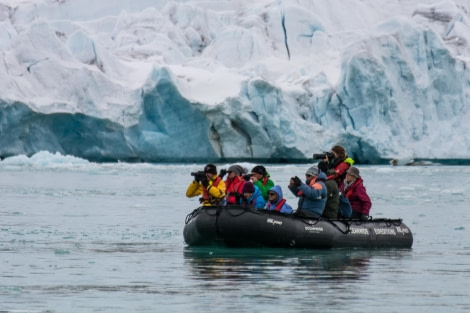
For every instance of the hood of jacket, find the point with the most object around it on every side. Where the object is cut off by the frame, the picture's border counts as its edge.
(277, 189)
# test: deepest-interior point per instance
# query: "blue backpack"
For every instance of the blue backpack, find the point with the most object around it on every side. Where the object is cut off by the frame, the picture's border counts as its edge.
(345, 209)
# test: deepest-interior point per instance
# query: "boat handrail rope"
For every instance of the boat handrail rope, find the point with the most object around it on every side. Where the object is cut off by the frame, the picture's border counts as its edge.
(345, 222)
(245, 209)
(198, 210)
(194, 213)
(308, 220)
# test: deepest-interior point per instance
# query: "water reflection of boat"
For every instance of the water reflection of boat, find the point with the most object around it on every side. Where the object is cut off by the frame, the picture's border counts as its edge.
(240, 226)
(208, 263)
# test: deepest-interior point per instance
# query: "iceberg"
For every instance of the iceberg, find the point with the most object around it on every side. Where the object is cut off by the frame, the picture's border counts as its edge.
(206, 80)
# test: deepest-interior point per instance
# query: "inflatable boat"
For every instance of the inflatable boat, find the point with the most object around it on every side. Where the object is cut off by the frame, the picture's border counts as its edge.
(243, 226)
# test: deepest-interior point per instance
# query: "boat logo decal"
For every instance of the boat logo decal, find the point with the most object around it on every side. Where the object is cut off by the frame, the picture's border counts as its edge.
(273, 221)
(384, 231)
(402, 230)
(359, 231)
(313, 228)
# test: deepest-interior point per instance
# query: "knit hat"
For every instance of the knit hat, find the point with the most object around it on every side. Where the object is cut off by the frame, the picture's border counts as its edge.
(248, 187)
(353, 171)
(312, 171)
(259, 169)
(210, 168)
(237, 169)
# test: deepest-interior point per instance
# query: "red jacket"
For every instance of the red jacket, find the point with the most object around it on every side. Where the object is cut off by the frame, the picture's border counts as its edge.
(234, 187)
(357, 196)
(340, 172)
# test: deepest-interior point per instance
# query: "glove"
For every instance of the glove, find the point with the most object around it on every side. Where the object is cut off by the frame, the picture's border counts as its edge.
(222, 173)
(297, 181)
(205, 182)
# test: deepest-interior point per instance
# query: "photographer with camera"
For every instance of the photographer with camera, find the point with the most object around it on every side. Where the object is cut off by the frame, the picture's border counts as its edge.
(208, 184)
(312, 194)
(337, 161)
(234, 183)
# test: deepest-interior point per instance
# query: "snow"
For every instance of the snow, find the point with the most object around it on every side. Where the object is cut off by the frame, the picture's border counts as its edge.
(219, 80)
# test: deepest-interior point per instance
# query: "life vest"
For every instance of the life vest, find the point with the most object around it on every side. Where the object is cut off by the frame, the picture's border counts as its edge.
(205, 193)
(350, 189)
(234, 194)
(265, 180)
(278, 206)
(341, 167)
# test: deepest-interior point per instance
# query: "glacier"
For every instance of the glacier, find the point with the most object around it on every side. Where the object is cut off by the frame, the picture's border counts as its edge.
(197, 81)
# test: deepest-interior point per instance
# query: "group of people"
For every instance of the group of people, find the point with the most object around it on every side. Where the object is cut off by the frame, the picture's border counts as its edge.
(318, 195)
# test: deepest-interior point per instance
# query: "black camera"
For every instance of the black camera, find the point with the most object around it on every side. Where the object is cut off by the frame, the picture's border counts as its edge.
(321, 156)
(199, 175)
(247, 177)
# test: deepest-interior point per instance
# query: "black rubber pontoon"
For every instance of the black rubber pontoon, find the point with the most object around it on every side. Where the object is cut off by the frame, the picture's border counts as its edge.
(240, 226)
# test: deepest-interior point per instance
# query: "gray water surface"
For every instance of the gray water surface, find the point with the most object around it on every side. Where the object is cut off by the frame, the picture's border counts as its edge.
(84, 237)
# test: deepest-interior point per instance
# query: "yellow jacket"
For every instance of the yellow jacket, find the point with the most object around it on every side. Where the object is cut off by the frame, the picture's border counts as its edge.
(212, 195)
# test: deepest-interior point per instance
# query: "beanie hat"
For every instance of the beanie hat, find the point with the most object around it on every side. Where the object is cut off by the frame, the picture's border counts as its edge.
(237, 169)
(210, 168)
(248, 187)
(312, 171)
(259, 169)
(353, 171)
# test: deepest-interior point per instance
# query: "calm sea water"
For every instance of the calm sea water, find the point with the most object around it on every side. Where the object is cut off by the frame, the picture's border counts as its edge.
(83, 237)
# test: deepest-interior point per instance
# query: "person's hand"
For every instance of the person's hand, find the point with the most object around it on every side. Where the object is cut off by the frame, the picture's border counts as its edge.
(222, 173)
(297, 182)
(205, 182)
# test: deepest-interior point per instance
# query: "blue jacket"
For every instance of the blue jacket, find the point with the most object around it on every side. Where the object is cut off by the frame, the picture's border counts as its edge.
(312, 198)
(272, 206)
(255, 200)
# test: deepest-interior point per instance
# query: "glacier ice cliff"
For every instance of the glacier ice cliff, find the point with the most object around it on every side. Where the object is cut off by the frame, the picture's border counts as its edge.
(190, 81)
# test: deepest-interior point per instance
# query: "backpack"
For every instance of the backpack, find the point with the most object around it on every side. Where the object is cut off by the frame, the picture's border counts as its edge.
(345, 209)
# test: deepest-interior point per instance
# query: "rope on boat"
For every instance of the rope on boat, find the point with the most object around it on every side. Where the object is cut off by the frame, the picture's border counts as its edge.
(217, 210)
(197, 211)
(245, 210)
(308, 221)
(345, 222)
(194, 213)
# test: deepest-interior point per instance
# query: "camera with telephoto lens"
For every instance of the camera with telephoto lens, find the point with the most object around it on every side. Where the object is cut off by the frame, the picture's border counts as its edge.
(321, 156)
(199, 175)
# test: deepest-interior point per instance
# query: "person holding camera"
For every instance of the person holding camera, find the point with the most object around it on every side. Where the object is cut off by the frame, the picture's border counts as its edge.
(208, 184)
(339, 163)
(262, 180)
(234, 183)
(312, 194)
